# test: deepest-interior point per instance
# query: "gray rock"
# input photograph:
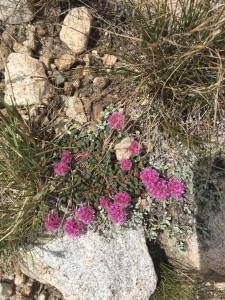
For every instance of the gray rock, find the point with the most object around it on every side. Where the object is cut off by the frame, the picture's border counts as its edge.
(205, 255)
(76, 29)
(91, 267)
(26, 81)
(16, 11)
(5, 290)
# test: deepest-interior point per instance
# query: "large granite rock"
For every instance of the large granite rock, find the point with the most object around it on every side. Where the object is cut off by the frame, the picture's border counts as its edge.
(26, 81)
(76, 29)
(204, 254)
(16, 11)
(92, 267)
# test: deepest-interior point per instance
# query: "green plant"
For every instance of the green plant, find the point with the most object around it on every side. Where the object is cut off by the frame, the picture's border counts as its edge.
(173, 285)
(22, 162)
(95, 170)
(177, 60)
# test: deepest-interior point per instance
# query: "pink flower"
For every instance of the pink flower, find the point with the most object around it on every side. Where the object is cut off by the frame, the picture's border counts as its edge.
(125, 164)
(116, 121)
(52, 222)
(86, 214)
(104, 202)
(122, 199)
(149, 176)
(175, 187)
(117, 214)
(135, 148)
(61, 168)
(159, 189)
(73, 228)
(66, 157)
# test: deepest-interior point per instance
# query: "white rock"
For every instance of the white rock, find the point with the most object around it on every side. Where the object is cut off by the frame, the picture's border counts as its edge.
(74, 109)
(15, 11)
(25, 78)
(121, 148)
(5, 291)
(65, 61)
(76, 29)
(92, 267)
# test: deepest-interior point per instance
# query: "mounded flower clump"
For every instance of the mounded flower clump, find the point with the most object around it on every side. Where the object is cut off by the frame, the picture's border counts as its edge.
(108, 189)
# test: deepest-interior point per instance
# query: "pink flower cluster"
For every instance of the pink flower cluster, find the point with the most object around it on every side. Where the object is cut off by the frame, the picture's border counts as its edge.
(62, 167)
(117, 214)
(52, 222)
(160, 188)
(116, 121)
(135, 148)
(72, 227)
(116, 209)
(86, 214)
(125, 164)
(105, 202)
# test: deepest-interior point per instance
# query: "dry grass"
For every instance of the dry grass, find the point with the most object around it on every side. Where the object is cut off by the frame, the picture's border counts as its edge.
(178, 63)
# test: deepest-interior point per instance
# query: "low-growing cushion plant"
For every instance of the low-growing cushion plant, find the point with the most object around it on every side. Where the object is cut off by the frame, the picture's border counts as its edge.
(89, 178)
(76, 180)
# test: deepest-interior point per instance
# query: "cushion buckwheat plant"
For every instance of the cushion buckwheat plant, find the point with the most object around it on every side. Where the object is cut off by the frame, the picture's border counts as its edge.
(89, 180)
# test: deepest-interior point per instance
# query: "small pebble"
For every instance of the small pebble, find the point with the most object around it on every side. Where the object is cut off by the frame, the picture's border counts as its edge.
(26, 291)
(68, 88)
(220, 285)
(65, 62)
(5, 290)
(100, 82)
(76, 83)
(58, 78)
(20, 279)
(42, 296)
(42, 30)
(207, 283)
(19, 48)
(46, 60)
